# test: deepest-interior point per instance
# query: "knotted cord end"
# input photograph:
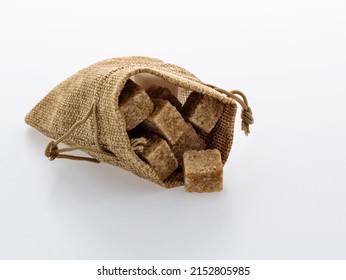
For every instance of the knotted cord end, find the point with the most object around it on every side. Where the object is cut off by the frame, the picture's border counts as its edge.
(247, 120)
(51, 151)
(246, 113)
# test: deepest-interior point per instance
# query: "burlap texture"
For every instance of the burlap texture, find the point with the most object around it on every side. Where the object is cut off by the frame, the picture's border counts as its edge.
(100, 85)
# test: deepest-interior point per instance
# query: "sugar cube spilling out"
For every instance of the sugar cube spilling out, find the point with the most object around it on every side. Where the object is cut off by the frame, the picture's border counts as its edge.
(203, 171)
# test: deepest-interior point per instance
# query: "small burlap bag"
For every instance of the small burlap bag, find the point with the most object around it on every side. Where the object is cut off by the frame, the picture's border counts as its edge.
(82, 112)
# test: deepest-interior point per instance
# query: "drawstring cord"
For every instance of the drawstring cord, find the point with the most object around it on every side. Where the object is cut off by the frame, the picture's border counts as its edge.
(52, 150)
(246, 113)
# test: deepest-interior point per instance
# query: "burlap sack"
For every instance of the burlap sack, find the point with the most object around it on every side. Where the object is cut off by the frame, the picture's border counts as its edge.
(82, 112)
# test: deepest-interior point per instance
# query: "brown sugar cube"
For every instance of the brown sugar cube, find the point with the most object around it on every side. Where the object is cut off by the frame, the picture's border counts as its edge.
(156, 91)
(203, 171)
(134, 104)
(166, 121)
(158, 154)
(190, 140)
(202, 111)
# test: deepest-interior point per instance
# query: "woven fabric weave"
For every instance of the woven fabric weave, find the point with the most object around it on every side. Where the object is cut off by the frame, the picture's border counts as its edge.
(100, 85)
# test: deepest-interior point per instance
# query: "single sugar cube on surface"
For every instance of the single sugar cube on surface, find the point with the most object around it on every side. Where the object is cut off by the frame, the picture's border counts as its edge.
(190, 140)
(166, 121)
(156, 91)
(202, 111)
(157, 153)
(203, 171)
(134, 104)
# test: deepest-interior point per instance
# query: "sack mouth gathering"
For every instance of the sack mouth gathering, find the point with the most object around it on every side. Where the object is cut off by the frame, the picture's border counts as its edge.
(83, 113)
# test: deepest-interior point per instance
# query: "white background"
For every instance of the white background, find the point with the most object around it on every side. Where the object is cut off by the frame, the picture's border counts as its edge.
(284, 185)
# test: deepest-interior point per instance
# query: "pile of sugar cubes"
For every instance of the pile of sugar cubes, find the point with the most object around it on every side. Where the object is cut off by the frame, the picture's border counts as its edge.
(171, 133)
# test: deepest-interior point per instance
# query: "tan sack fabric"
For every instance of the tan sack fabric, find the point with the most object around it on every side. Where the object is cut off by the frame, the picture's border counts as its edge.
(82, 112)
